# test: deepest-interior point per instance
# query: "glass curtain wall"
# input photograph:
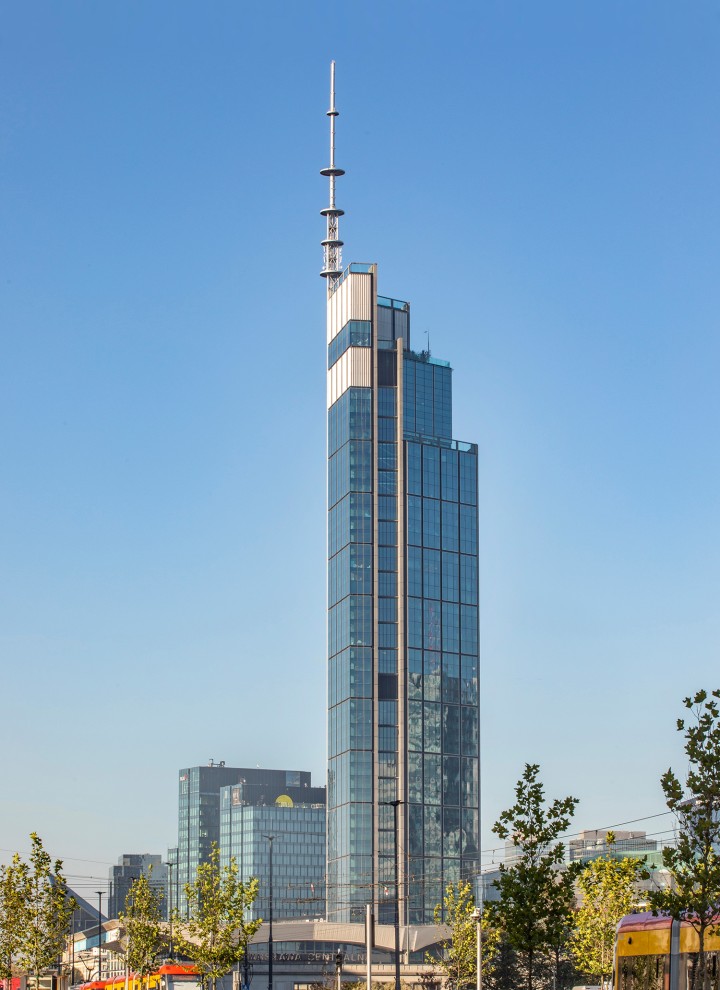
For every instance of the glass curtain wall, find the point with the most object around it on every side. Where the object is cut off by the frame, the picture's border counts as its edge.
(403, 622)
(350, 640)
(442, 642)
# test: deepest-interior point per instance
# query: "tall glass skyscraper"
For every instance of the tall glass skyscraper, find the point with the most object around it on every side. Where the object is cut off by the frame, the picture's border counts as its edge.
(402, 610)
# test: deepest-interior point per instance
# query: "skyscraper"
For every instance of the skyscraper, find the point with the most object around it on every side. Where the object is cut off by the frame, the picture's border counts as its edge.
(403, 699)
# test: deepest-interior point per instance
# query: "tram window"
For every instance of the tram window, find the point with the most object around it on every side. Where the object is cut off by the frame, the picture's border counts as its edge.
(643, 973)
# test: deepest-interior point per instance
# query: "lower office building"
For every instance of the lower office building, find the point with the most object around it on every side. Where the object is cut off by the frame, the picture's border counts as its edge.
(199, 810)
(283, 845)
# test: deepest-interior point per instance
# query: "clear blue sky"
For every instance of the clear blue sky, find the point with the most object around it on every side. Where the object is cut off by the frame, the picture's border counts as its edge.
(541, 182)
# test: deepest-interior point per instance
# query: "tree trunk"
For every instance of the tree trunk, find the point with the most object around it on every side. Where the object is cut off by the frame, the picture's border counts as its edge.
(530, 970)
(702, 976)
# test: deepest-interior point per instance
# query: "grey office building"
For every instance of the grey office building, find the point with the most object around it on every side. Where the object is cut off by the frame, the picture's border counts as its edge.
(131, 866)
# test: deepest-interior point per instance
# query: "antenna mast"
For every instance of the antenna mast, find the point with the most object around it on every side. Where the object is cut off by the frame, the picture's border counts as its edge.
(332, 245)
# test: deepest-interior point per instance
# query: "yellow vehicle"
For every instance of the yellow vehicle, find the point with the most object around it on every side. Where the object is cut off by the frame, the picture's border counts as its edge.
(658, 953)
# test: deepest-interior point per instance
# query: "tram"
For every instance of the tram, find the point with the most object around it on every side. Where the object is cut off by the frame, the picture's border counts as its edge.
(659, 953)
(170, 976)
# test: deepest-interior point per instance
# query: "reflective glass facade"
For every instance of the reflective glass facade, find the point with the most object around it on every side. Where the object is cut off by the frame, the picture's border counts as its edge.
(199, 809)
(298, 854)
(402, 615)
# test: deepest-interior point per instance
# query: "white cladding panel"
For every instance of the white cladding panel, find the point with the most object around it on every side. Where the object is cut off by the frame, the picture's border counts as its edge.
(351, 370)
(352, 300)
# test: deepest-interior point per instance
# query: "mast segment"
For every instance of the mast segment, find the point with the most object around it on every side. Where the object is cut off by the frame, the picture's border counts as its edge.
(332, 245)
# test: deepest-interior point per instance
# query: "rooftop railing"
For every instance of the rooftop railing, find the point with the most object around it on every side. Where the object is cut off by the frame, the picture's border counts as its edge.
(441, 442)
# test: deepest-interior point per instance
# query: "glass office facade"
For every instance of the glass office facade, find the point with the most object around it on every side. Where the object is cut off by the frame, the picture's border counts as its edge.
(298, 854)
(199, 809)
(402, 616)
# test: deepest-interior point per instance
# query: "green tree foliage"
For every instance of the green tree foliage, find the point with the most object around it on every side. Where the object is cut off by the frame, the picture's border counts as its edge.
(217, 933)
(11, 905)
(44, 909)
(534, 898)
(608, 886)
(145, 939)
(458, 962)
(693, 863)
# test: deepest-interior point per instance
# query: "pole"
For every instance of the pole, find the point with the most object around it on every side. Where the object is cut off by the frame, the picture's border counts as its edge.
(338, 969)
(368, 945)
(100, 897)
(477, 915)
(127, 962)
(396, 804)
(270, 916)
(72, 952)
(170, 904)
(177, 880)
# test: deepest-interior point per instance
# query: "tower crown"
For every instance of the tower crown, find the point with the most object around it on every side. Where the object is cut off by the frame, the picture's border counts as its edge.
(332, 245)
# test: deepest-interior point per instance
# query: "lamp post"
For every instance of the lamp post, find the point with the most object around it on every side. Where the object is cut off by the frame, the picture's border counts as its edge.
(170, 865)
(477, 917)
(270, 915)
(72, 951)
(100, 897)
(338, 968)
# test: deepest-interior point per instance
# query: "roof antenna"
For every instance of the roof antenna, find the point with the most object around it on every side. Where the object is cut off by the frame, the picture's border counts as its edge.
(332, 245)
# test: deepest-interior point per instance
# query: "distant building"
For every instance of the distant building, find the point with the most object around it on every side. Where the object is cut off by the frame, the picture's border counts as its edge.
(589, 845)
(131, 866)
(593, 843)
(199, 809)
(84, 960)
(296, 831)
(85, 914)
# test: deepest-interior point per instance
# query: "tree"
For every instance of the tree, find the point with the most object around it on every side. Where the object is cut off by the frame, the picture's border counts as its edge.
(530, 890)
(143, 931)
(217, 933)
(608, 886)
(44, 909)
(458, 962)
(10, 914)
(694, 864)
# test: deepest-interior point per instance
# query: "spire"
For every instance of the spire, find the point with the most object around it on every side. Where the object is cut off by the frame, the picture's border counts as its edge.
(332, 245)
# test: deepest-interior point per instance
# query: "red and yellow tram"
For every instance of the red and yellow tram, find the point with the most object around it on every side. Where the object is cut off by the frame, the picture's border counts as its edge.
(171, 976)
(659, 953)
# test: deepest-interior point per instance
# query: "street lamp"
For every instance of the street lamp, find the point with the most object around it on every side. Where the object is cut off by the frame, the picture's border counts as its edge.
(72, 950)
(270, 915)
(338, 968)
(100, 897)
(170, 865)
(477, 918)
